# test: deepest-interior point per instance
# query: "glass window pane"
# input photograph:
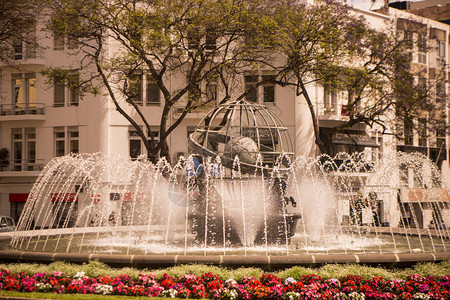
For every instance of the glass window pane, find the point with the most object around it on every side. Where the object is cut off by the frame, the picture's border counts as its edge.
(269, 93)
(31, 151)
(59, 93)
(135, 148)
(74, 91)
(73, 146)
(59, 150)
(134, 91)
(58, 40)
(211, 92)
(18, 48)
(30, 44)
(153, 93)
(250, 87)
(18, 92)
(31, 92)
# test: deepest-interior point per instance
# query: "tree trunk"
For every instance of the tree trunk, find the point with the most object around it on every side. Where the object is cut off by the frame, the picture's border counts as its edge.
(318, 137)
(164, 152)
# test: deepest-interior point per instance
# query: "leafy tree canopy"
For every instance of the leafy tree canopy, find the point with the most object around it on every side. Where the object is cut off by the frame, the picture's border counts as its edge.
(201, 41)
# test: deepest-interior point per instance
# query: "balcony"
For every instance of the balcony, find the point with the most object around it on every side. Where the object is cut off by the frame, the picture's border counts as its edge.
(21, 167)
(11, 112)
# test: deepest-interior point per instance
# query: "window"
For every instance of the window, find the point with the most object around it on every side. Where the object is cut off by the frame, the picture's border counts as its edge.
(440, 135)
(24, 46)
(422, 49)
(408, 131)
(153, 92)
(211, 92)
(66, 89)
(440, 90)
(66, 140)
(24, 149)
(134, 89)
(30, 147)
(60, 141)
(422, 130)
(250, 88)
(268, 88)
(59, 92)
(74, 90)
(135, 142)
(440, 54)
(30, 43)
(210, 40)
(422, 82)
(18, 48)
(24, 92)
(72, 42)
(59, 39)
(17, 146)
(155, 134)
(329, 98)
(73, 136)
(408, 38)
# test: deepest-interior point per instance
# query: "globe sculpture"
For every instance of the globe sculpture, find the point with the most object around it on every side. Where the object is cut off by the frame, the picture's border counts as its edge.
(247, 138)
(248, 131)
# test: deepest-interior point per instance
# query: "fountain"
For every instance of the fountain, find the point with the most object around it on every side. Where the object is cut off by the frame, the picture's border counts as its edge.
(240, 197)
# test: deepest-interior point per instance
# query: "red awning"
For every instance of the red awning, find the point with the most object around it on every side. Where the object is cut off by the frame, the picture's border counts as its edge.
(18, 197)
(64, 197)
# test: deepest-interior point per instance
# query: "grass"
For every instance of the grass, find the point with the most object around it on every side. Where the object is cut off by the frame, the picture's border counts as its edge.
(71, 296)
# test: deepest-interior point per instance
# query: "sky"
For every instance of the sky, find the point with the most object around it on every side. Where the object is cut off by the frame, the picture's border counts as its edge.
(369, 4)
(366, 4)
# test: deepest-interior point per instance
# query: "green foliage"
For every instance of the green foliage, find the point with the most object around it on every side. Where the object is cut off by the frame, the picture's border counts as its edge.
(294, 272)
(94, 269)
(338, 271)
(432, 269)
(237, 274)
(199, 41)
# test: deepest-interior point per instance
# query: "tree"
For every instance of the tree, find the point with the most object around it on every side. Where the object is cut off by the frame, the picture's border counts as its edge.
(199, 40)
(327, 43)
(17, 29)
(210, 41)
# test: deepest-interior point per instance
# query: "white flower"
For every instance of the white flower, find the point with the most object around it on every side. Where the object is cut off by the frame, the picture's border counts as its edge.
(43, 286)
(80, 275)
(357, 296)
(293, 295)
(289, 280)
(172, 293)
(104, 289)
(421, 296)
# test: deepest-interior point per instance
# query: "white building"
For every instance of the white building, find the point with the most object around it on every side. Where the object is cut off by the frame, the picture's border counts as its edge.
(39, 121)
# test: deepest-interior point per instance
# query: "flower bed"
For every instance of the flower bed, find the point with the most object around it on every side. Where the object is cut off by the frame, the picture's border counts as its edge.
(211, 286)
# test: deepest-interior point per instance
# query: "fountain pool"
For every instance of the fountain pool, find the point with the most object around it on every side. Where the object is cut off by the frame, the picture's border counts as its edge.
(242, 195)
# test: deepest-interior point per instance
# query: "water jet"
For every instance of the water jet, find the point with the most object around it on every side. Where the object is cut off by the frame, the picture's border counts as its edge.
(240, 198)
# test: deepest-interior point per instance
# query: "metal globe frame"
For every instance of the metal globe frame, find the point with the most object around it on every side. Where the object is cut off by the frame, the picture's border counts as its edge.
(229, 131)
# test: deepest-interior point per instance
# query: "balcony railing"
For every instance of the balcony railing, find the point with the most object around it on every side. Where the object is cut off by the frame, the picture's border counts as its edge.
(22, 109)
(22, 165)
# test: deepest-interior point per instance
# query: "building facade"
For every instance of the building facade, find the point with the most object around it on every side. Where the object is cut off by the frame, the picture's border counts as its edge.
(40, 120)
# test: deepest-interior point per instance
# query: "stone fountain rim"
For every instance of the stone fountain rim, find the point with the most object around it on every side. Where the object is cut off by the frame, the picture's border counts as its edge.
(264, 261)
